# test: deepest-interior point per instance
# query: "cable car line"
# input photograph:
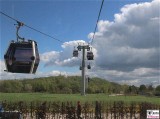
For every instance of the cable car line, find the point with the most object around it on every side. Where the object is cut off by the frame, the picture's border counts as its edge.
(97, 21)
(31, 27)
(43, 33)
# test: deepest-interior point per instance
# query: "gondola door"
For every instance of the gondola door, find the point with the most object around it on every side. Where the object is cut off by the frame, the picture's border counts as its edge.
(23, 62)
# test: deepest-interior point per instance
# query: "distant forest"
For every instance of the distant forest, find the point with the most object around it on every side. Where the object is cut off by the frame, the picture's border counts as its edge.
(71, 85)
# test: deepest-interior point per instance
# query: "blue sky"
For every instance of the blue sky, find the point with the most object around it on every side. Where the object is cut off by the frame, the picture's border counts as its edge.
(67, 20)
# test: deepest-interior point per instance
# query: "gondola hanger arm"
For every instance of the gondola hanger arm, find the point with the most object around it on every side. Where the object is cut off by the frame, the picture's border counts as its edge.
(19, 24)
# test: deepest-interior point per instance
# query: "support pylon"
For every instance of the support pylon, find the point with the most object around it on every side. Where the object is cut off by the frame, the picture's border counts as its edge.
(83, 82)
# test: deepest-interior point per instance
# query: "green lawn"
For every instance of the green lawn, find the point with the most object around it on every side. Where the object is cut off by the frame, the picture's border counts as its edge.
(28, 97)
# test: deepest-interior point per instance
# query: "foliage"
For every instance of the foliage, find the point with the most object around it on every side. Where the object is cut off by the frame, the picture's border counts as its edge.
(58, 84)
(142, 89)
(71, 85)
(158, 88)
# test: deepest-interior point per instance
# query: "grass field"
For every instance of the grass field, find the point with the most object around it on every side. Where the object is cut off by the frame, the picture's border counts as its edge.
(28, 97)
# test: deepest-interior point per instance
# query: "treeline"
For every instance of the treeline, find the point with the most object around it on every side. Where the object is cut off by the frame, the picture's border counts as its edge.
(58, 84)
(71, 85)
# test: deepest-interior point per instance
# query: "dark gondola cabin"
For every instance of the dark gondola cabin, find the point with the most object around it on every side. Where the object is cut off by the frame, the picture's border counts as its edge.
(22, 57)
(80, 68)
(75, 53)
(89, 66)
(90, 55)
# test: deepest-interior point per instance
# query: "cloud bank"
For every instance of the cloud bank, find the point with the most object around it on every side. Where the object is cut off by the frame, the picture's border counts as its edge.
(131, 40)
(128, 47)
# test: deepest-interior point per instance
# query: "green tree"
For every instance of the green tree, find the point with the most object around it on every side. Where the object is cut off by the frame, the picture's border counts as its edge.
(150, 88)
(75, 87)
(17, 86)
(133, 89)
(157, 88)
(142, 89)
(125, 89)
(28, 88)
(6, 86)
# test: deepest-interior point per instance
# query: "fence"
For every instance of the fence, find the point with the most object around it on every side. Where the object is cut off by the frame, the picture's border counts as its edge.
(78, 110)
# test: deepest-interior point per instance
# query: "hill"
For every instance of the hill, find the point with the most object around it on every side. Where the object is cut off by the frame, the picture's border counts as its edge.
(72, 85)
(58, 84)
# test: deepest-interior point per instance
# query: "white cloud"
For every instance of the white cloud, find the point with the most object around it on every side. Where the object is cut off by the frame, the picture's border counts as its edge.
(6, 75)
(47, 56)
(2, 66)
(136, 77)
(132, 40)
(63, 58)
(128, 47)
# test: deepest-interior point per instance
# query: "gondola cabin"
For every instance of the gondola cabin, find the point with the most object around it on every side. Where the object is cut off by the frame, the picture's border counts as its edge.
(80, 68)
(75, 53)
(22, 57)
(89, 79)
(89, 66)
(90, 55)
